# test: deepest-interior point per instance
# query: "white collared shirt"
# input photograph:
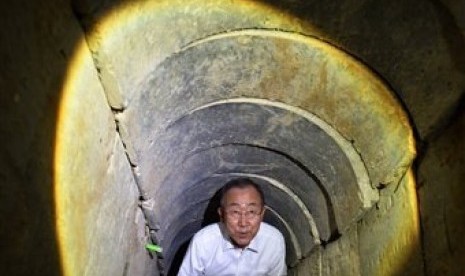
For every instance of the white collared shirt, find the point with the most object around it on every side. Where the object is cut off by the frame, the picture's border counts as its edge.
(212, 253)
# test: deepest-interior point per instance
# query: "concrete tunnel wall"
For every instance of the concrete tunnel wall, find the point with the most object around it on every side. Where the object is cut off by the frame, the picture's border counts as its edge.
(320, 118)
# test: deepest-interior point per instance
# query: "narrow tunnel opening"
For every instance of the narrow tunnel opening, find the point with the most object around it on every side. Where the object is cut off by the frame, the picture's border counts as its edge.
(299, 204)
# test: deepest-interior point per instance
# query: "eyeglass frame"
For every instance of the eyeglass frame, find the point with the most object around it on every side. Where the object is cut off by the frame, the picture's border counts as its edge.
(236, 214)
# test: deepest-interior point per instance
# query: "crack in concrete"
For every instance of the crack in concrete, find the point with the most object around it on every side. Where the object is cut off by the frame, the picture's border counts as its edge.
(145, 202)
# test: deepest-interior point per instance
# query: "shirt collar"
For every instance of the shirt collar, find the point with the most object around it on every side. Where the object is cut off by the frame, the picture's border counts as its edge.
(227, 244)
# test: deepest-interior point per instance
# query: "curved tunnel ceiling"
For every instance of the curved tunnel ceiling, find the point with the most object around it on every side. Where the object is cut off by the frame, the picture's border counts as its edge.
(240, 138)
(289, 111)
(284, 109)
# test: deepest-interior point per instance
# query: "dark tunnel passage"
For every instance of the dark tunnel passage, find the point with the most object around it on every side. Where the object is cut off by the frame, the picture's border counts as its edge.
(236, 152)
(321, 104)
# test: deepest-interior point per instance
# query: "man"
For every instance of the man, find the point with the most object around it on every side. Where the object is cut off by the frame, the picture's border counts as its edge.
(240, 244)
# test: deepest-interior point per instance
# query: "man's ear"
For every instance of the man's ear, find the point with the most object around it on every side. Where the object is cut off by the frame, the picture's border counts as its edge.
(220, 213)
(262, 214)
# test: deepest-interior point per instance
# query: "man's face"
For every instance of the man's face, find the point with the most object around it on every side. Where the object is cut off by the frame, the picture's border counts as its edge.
(241, 213)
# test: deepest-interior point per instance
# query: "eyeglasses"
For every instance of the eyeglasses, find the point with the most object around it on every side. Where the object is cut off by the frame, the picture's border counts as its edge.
(248, 214)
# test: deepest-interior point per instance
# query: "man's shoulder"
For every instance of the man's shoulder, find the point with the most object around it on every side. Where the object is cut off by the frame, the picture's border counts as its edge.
(270, 231)
(209, 232)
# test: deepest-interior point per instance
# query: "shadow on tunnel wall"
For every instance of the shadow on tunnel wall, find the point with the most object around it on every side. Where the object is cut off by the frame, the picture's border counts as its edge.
(34, 56)
(29, 98)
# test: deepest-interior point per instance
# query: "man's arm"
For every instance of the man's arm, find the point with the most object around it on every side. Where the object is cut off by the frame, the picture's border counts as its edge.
(192, 264)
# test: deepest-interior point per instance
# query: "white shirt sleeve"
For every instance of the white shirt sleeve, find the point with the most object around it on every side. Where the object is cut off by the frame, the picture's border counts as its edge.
(192, 264)
(280, 267)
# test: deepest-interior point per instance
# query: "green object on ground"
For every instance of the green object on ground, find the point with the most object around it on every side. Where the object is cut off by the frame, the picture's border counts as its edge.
(154, 247)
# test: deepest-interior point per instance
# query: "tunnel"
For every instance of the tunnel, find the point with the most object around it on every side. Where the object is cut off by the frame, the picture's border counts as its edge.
(129, 116)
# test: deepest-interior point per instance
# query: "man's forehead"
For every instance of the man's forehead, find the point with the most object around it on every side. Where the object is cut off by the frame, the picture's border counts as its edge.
(243, 196)
(242, 204)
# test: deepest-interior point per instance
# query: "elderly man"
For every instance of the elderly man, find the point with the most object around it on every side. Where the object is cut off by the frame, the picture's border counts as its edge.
(241, 244)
